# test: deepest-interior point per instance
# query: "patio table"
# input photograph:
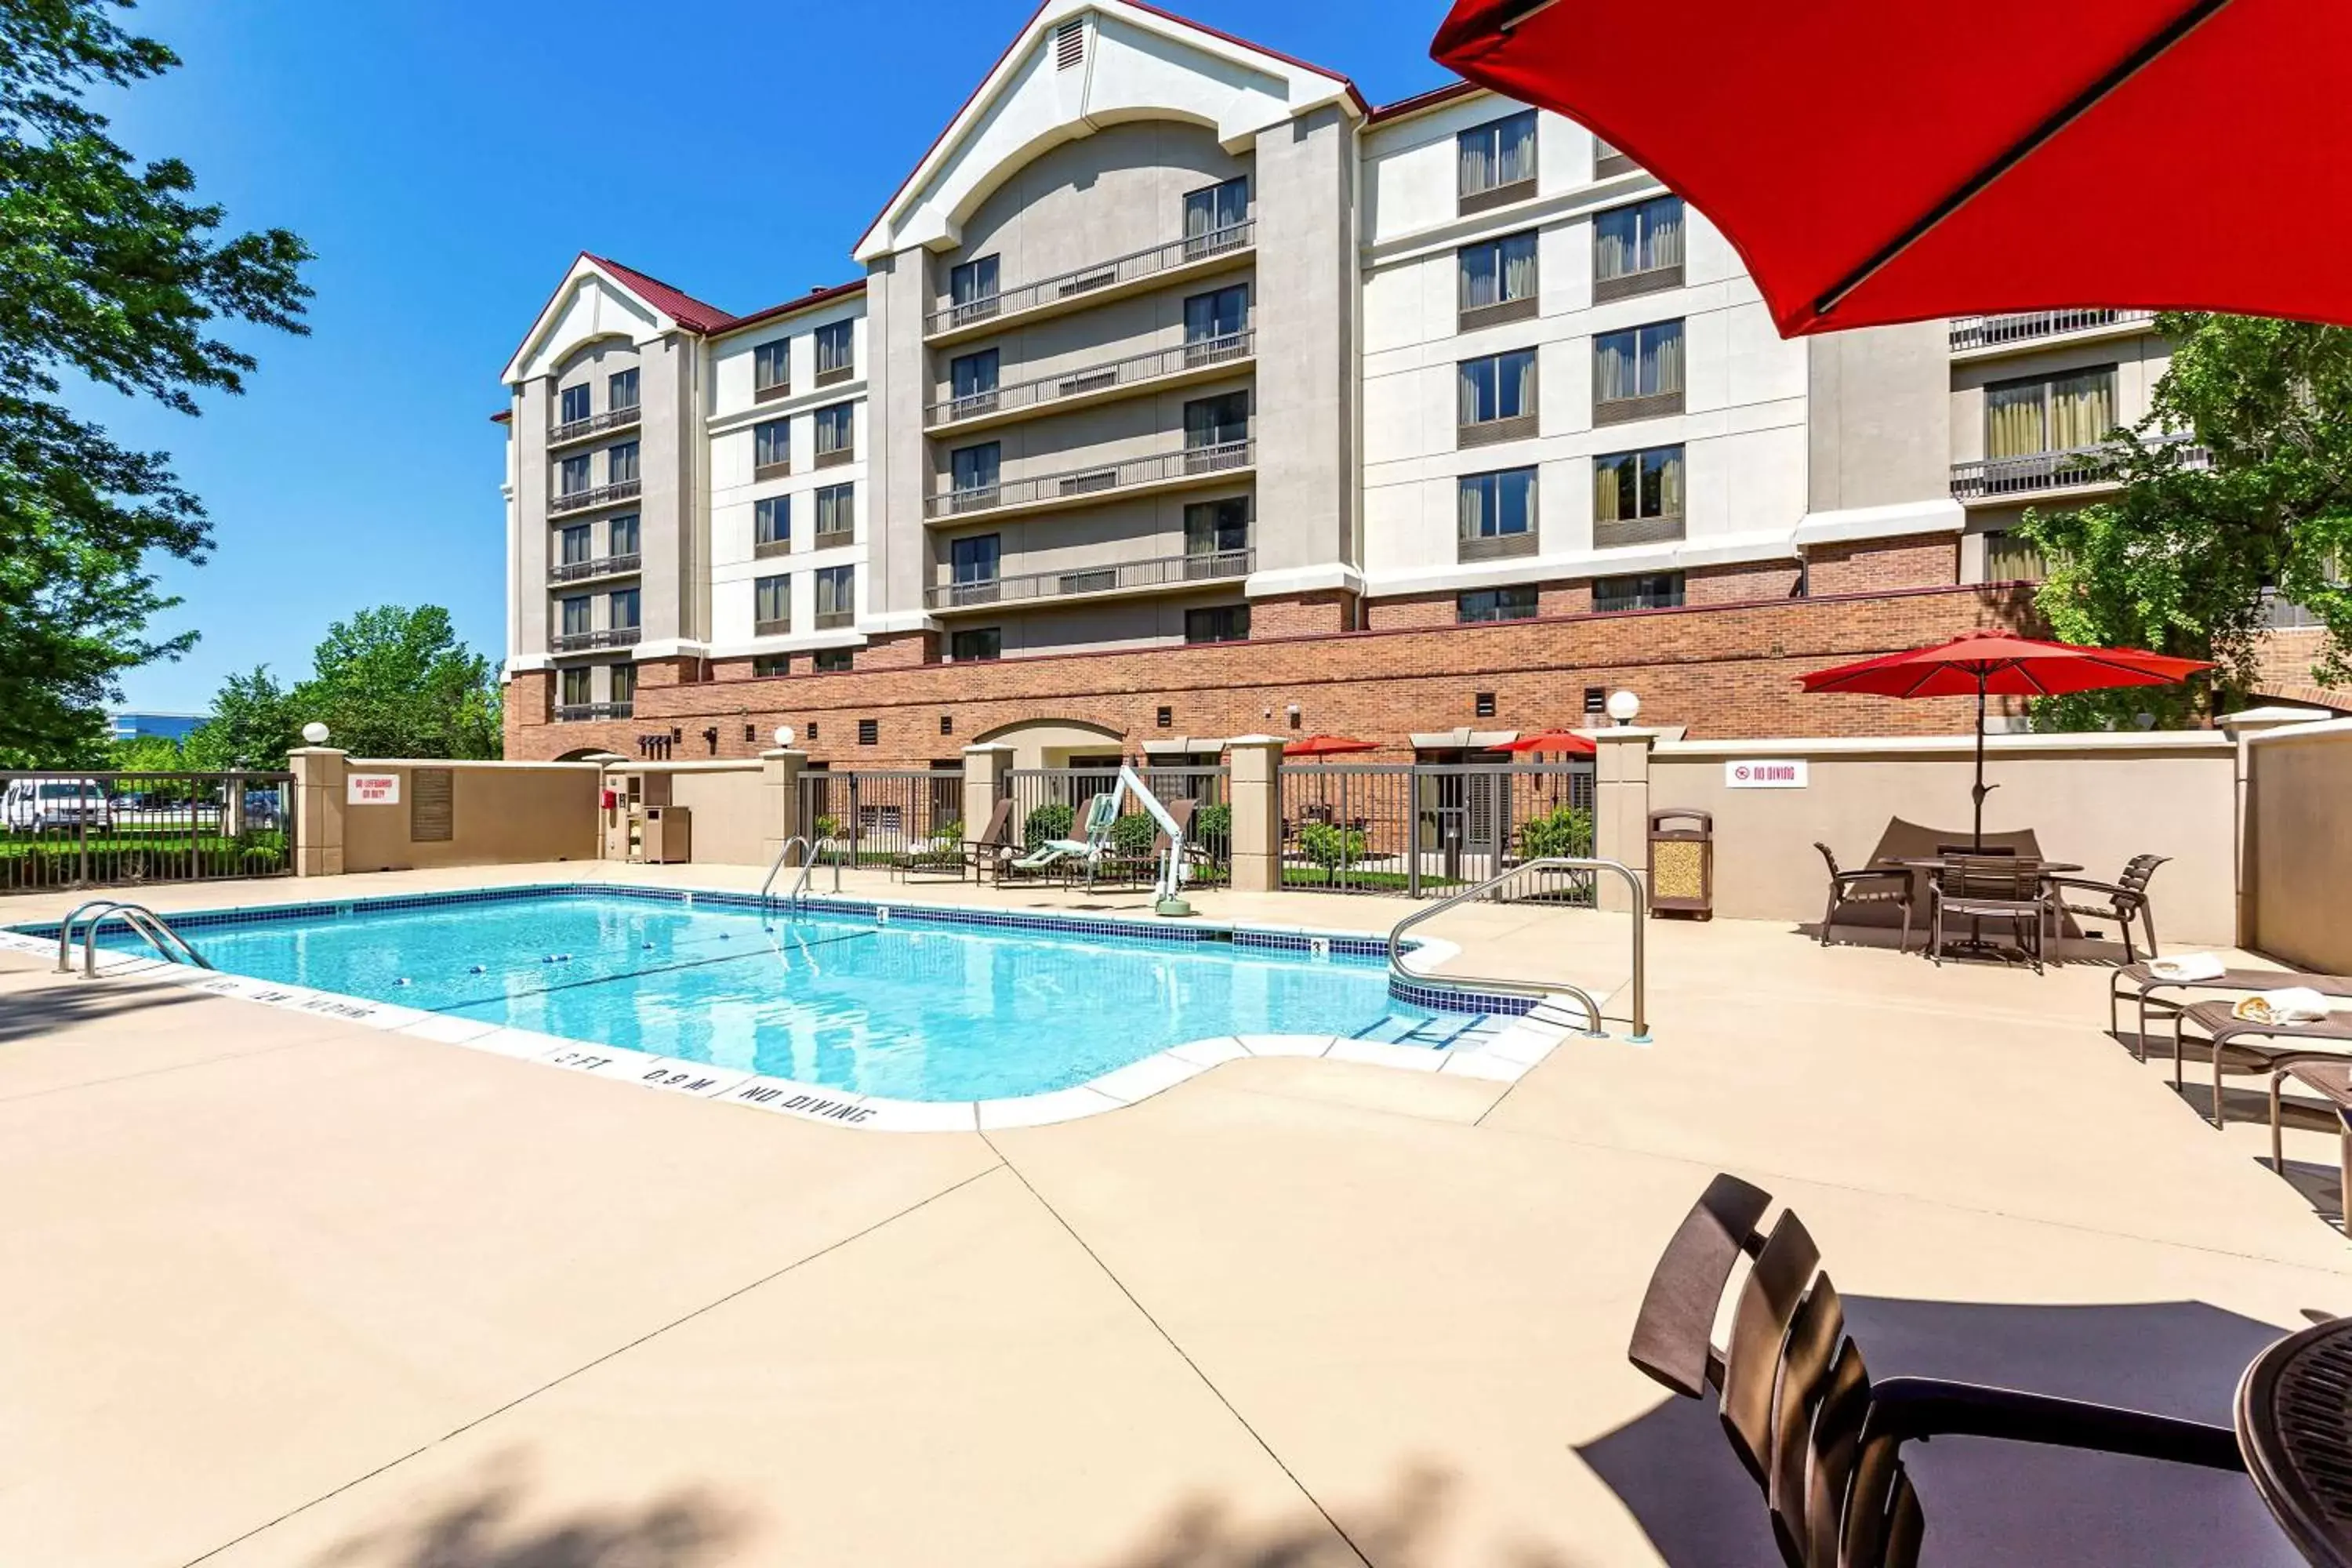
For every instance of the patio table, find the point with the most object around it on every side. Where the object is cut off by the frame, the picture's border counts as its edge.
(1932, 864)
(2293, 1418)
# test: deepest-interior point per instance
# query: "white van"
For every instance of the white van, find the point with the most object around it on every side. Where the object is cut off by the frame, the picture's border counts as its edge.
(34, 805)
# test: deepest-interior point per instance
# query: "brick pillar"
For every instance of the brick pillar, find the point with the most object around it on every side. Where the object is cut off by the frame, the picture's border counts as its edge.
(985, 770)
(780, 800)
(1258, 813)
(318, 772)
(1621, 805)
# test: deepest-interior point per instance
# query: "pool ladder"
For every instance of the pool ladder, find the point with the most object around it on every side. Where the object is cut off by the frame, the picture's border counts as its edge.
(1638, 988)
(168, 944)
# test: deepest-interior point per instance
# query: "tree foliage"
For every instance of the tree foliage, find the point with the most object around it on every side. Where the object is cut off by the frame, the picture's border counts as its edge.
(114, 274)
(2179, 560)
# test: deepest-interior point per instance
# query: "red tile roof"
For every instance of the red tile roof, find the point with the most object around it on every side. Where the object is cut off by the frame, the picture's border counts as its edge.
(680, 306)
(1421, 101)
(503, 417)
(809, 301)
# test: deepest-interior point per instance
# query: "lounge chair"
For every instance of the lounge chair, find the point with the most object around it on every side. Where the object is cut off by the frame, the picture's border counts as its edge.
(1145, 867)
(1820, 1438)
(951, 857)
(1978, 888)
(986, 855)
(1059, 856)
(2230, 1040)
(1865, 885)
(2137, 980)
(2120, 901)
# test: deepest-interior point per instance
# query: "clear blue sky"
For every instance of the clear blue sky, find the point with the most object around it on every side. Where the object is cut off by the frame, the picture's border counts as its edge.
(446, 158)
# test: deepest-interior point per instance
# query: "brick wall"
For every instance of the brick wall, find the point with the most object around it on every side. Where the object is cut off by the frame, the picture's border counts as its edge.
(1873, 565)
(1724, 670)
(1306, 615)
(2283, 659)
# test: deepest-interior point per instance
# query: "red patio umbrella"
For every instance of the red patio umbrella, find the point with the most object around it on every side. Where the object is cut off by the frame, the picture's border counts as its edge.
(1876, 162)
(1327, 746)
(2001, 664)
(1562, 742)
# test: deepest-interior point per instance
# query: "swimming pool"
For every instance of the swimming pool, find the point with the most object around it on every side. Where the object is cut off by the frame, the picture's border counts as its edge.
(905, 1003)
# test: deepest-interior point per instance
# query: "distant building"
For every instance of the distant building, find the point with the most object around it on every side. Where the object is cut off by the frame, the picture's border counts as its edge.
(163, 726)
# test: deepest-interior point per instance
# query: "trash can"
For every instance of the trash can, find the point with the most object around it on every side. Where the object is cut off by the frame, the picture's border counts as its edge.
(668, 835)
(1682, 863)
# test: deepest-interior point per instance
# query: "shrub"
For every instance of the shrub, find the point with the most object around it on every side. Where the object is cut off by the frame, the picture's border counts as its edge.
(949, 832)
(1212, 825)
(1331, 847)
(260, 862)
(827, 827)
(1131, 836)
(1052, 820)
(1565, 831)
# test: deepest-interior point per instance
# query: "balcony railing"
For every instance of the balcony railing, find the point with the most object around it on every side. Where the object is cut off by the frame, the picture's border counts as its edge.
(577, 712)
(610, 637)
(1648, 281)
(603, 495)
(611, 419)
(1090, 380)
(2036, 471)
(610, 566)
(2286, 616)
(1118, 578)
(1119, 269)
(1079, 484)
(1495, 546)
(2028, 326)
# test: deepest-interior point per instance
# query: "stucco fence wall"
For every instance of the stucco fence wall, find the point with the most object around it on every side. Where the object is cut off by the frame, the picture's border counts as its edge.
(723, 801)
(2097, 800)
(2299, 845)
(499, 812)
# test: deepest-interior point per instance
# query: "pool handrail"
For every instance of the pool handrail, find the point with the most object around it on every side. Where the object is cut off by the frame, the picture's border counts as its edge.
(1473, 983)
(168, 943)
(782, 850)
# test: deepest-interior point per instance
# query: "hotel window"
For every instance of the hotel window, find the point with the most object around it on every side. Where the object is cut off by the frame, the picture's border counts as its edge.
(1607, 162)
(771, 448)
(1495, 514)
(1213, 218)
(980, 643)
(836, 515)
(971, 289)
(572, 477)
(1496, 162)
(836, 433)
(1216, 537)
(830, 661)
(1498, 281)
(772, 664)
(2050, 414)
(1642, 591)
(1496, 605)
(1224, 622)
(578, 544)
(2012, 558)
(771, 526)
(621, 389)
(622, 689)
(621, 535)
(1497, 398)
(1637, 374)
(1221, 421)
(574, 408)
(971, 382)
(972, 565)
(972, 473)
(579, 690)
(836, 353)
(771, 370)
(621, 609)
(1637, 497)
(836, 595)
(772, 606)
(1213, 324)
(1637, 249)
(576, 616)
(621, 464)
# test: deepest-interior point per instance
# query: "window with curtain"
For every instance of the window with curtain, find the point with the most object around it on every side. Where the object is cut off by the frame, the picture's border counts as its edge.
(1210, 215)
(980, 643)
(772, 366)
(973, 282)
(836, 514)
(575, 615)
(621, 389)
(1216, 421)
(1499, 152)
(836, 426)
(1517, 603)
(836, 348)
(622, 687)
(974, 469)
(571, 475)
(1492, 506)
(1497, 386)
(1641, 362)
(577, 546)
(622, 609)
(772, 604)
(1218, 314)
(772, 520)
(976, 559)
(772, 443)
(1217, 527)
(621, 463)
(1643, 237)
(574, 404)
(2012, 558)
(578, 690)
(772, 664)
(831, 661)
(1497, 271)
(836, 591)
(1221, 622)
(621, 534)
(974, 375)
(2050, 414)
(1641, 591)
(1627, 486)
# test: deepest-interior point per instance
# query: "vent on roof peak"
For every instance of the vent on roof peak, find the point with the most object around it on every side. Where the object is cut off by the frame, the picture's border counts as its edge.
(1070, 44)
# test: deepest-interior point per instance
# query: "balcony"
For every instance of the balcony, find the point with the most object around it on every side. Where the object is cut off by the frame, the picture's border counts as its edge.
(1495, 546)
(1102, 281)
(1158, 573)
(2036, 473)
(1625, 410)
(581, 570)
(2029, 329)
(1081, 486)
(1649, 280)
(604, 495)
(610, 637)
(1621, 532)
(580, 712)
(1200, 360)
(594, 425)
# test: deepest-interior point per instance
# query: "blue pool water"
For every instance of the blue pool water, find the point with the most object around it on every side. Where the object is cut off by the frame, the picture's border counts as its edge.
(913, 1011)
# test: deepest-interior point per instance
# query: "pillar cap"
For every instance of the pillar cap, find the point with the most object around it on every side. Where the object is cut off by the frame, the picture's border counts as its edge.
(977, 747)
(777, 753)
(1256, 740)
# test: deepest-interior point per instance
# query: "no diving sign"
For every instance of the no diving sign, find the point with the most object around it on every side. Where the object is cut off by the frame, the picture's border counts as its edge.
(1764, 774)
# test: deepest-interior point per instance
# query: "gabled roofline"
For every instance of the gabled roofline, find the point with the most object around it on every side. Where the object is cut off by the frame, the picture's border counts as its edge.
(826, 295)
(1435, 98)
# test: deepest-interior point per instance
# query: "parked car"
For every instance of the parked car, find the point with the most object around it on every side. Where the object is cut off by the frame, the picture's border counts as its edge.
(37, 806)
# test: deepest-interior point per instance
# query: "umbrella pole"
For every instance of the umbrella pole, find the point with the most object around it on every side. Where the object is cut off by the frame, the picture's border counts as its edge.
(1978, 792)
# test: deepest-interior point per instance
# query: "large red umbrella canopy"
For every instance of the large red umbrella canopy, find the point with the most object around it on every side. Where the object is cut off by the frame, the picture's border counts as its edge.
(1562, 742)
(1878, 160)
(1328, 746)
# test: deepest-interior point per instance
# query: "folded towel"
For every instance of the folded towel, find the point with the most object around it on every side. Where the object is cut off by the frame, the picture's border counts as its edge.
(2293, 1004)
(2188, 966)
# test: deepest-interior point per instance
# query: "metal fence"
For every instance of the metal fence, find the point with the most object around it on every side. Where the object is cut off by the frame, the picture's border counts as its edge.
(873, 817)
(107, 829)
(1051, 802)
(1423, 829)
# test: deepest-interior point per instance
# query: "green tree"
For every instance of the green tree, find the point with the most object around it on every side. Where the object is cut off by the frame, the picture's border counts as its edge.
(395, 681)
(250, 725)
(2179, 560)
(114, 274)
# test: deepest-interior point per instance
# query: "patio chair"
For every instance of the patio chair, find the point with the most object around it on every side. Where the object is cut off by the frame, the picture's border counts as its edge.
(1822, 1440)
(1977, 888)
(2138, 982)
(2119, 900)
(2243, 1048)
(986, 855)
(1865, 885)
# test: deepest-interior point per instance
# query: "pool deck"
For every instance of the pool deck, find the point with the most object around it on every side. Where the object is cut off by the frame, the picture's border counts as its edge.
(286, 1289)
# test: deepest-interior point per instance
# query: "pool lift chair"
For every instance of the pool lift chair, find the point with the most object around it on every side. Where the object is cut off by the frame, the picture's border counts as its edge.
(1175, 870)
